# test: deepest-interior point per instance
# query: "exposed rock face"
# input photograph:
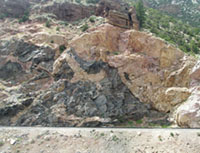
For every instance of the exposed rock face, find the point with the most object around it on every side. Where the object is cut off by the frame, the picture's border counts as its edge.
(119, 19)
(19, 58)
(15, 8)
(103, 75)
(118, 14)
(154, 71)
(74, 103)
(188, 114)
(111, 5)
(69, 11)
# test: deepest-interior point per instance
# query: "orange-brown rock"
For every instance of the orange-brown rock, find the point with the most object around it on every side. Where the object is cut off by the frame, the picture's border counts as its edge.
(122, 20)
(154, 71)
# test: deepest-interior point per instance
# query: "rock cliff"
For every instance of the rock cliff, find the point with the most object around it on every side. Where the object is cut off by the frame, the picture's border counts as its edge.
(61, 75)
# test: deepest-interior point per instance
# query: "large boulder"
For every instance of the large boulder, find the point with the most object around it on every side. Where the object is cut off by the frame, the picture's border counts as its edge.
(188, 114)
(118, 5)
(154, 71)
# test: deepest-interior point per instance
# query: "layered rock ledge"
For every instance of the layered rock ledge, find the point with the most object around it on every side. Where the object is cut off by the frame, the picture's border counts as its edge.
(105, 75)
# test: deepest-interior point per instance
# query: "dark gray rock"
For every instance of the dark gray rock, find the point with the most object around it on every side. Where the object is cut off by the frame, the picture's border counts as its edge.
(80, 103)
(26, 52)
(65, 72)
(84, 100)
(91, 67)
(101, 102)
(10, 70)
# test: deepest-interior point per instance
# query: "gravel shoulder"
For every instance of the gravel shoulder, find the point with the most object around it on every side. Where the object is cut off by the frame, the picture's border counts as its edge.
(102, 140)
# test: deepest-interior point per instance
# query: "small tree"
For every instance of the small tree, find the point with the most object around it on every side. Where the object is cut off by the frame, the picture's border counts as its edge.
(140, 11)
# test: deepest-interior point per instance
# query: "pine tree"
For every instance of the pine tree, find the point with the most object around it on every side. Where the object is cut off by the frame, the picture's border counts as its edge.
(140, 10)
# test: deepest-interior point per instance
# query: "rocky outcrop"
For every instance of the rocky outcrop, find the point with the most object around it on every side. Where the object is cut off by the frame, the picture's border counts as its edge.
(118, 14)
(154, 71)
(119, 19)
(118, 5)
(104, 75)
(19, 58)
(79, 91)
(188, 114)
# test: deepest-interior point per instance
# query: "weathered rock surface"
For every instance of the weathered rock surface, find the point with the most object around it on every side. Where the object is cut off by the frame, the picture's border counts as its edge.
(154, 71)
(76, 103)
(188, 114)
(119, 19)
(118, 5)
(149, 67)
(118, 14)
(106, 75)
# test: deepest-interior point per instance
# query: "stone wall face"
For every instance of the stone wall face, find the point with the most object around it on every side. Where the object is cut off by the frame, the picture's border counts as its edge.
(155, 72)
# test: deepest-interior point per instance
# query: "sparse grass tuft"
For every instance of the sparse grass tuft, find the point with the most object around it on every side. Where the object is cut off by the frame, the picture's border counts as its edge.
(24, 18)
(1, 143)
(92, 19)
(172, 134)
(62, 48)
(48, 24)
(84, 27)
(139, 121)
(115, 138)
(57, 28)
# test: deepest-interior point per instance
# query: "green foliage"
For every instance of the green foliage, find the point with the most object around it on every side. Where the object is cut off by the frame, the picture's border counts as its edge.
(165, 126)
(78, 1)
(139, 121)
(116, 53)
(84, 27)
(173, 31)
(62, 48)
(92, 19)
(3, 15)
(1, 143)
(48, 24)
(140, 12)
(64, 23)
(57, 28)
(24, 18)
(92, 1)
(115, 138)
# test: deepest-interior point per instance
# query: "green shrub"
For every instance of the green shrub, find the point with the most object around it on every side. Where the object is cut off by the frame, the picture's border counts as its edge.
(48, 24)
(92, 19)
(62, 48)
(84, 27)
(24, 18)
(78, 1)
(64, 23)
(1, 143)
(139, 121)
(92, 1)
(57, 29)
(2, 16)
